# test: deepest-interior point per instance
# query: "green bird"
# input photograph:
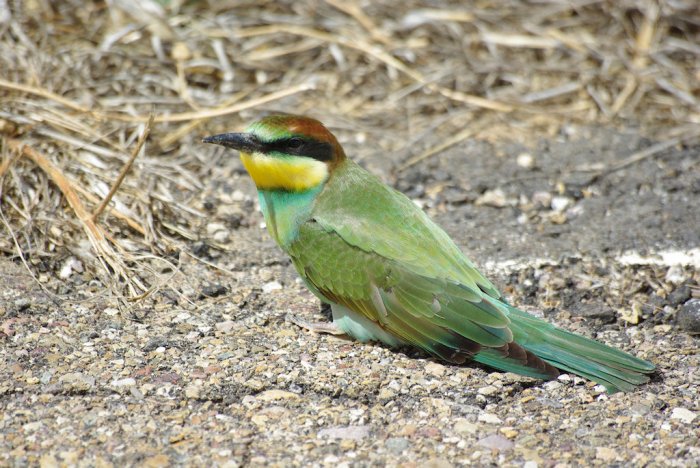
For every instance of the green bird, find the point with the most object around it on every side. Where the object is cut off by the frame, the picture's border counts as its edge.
(392, 275)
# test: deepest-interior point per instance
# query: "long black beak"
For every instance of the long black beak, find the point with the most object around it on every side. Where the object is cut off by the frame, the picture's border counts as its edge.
(239, 141)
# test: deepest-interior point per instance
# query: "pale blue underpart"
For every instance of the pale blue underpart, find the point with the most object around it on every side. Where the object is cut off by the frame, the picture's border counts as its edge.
(284, 211)
(360, 327)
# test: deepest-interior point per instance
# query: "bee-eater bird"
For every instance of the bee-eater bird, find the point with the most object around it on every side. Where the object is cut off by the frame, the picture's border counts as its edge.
(392, 275)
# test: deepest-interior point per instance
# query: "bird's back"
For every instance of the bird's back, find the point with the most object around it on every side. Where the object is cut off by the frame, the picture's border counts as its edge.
(374, 217)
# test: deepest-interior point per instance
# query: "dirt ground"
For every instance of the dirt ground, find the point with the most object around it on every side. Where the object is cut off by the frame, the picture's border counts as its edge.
(588, 218)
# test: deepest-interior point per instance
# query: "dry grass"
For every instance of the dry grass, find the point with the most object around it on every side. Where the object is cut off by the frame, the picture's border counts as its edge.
(78, 82)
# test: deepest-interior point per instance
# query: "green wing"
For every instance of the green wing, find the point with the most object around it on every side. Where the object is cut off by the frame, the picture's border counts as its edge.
(443, 317)
(376, 218)
(369, 248)
(403, 303)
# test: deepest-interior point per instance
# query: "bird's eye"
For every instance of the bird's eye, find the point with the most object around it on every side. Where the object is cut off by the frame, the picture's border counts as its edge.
(295, 143)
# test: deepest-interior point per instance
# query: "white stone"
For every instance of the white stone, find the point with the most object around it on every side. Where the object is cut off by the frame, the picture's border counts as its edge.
(345, 432)
(683, 414)
(489, 418)
(435, 369)
(271, 286)
(488, 390)
(129, 381)
(497, 442)
(462, 426)
(552, 385)
(69, 266)
(212, 228)
(675, 274)
(542, 198)
(276, 394)
(237, 196)
(525, 160)
(225, 326)
(559, 204)
(496, 198)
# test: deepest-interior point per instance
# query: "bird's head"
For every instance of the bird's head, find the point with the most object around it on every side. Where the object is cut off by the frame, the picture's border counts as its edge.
(285, 152)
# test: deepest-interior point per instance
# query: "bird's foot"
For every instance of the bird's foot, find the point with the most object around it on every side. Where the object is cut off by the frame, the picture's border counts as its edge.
(316, 327)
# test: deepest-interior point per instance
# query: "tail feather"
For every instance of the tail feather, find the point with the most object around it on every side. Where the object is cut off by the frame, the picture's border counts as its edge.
(512, 357)
(610, 367)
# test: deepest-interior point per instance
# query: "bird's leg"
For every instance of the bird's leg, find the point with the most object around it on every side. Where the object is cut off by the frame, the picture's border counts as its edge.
(316, 327)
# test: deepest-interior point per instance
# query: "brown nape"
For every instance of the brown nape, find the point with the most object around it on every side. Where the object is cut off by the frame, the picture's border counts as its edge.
(308, 127)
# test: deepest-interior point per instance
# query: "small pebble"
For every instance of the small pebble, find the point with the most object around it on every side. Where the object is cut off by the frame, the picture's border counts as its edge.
(525, 160)
(497, 442)
(559, 204)
(397, 444)
(598, 311)
(679, 295)
(462, 426)
(225, 326)
(438, 463)
(69, 266)
(543, 199)
(77, 382)
(46, 377)
(489, 418)
(683, 415)
(237, 196)
(605, 454)
(689, 316)
(276, 394)
(218, 231)
(488, 390)
(271, 286)
(435, 369)
(22, 304)
(123, 382)
(226, 355)
(214, 290)
(193, 391)
(495, 198)
(345, 432)
(675, 274)
(136, 393)
(552, 385)
(155, 343)
(212, 228)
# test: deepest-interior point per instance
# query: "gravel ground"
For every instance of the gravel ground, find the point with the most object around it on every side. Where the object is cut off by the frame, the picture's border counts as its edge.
(212, 371)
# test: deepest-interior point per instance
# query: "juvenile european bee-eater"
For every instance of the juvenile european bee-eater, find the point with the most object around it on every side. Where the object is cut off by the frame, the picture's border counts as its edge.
(392, 275)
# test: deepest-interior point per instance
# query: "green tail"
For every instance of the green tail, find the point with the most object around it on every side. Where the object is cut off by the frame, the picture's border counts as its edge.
(610, 367)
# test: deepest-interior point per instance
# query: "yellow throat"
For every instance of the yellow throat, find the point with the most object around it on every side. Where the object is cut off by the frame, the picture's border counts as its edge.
(295, 174)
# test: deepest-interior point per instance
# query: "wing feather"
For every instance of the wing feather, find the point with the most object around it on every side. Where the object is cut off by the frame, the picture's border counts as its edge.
(380, 256)
(368, 248)
(415, 308)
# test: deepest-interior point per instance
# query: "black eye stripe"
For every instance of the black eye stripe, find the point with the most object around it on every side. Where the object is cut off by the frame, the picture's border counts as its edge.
(295, 142)
(297, 146)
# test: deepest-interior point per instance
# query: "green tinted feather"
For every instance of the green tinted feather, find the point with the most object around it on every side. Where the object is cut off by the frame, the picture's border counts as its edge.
(374, 217)
(495, 358)
(369, 249)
